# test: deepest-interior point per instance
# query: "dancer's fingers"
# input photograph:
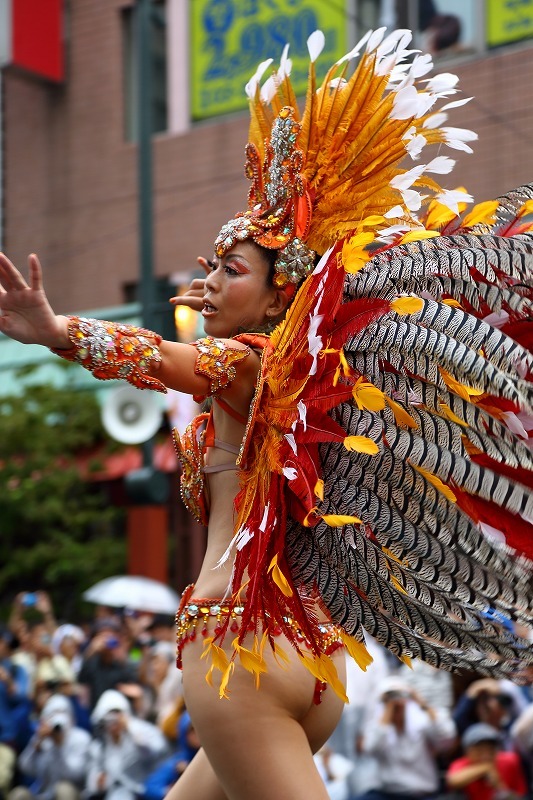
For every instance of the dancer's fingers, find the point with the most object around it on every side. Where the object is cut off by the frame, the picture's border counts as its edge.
(204, 263)
(10, 277)
(36, 273)
(194, 302)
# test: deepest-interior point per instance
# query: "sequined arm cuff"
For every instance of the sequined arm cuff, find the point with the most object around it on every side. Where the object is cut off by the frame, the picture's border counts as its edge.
(109, 350)
(216, 361)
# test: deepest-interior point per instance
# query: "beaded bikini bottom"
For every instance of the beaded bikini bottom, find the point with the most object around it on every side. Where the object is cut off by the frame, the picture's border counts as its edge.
(196, 615)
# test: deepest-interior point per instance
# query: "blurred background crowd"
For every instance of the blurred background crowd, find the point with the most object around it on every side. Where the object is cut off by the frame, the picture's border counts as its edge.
(96, 711)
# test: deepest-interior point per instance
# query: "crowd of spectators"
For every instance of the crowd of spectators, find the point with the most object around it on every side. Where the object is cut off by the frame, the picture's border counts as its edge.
(95, 712)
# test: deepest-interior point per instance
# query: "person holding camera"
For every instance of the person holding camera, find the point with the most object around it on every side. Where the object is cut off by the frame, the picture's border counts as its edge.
(495, 702)
(55, 760)
(123, 753)
(404, 738)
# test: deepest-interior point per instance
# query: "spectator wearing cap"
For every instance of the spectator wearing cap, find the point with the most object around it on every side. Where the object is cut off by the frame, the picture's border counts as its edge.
(404, 738)
(124, 751)
(56, 757)
(14, 707)
(485, 772)
(105, 665)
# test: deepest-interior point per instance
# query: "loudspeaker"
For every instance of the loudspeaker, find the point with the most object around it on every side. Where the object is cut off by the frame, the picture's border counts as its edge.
(131, 416)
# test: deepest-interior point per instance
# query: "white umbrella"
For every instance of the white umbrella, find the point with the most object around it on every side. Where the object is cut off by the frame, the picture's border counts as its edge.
(136, 592)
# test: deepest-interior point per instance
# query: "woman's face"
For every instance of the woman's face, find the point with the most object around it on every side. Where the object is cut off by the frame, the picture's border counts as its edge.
(237, 295)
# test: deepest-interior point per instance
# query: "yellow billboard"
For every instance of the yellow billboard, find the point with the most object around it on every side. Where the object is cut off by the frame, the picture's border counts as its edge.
(229, 38)
(508, 21)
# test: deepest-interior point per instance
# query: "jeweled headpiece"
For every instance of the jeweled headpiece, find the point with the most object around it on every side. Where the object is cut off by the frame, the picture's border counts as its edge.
(279, 208)
(336, 170)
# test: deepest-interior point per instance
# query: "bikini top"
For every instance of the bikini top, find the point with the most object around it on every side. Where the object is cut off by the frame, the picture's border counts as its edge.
(216, 360)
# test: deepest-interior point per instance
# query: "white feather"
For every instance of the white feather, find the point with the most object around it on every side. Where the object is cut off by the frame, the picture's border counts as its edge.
(456, 103)
(290, 438)
(443, 82)
(315, 44)
(263, 523)
(395, 212)
(290, 473)
(302, 413)
(442, 165)
(375, 39)
(252, 84)
(406, 179)
(422, 64)
(389, 42)
(435, 120)
(452, 197)
(415, 146)
(268, 89)
(412, 199)
(456, 138)
(285, 64)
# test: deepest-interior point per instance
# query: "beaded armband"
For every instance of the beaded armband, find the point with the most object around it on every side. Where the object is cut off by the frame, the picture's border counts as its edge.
(110, 350)
(216, 361)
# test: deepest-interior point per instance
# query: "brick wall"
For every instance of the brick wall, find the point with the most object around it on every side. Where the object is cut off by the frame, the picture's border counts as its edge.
(71, 176)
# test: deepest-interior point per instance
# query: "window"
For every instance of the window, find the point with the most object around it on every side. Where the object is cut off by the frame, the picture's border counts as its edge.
(444, 28)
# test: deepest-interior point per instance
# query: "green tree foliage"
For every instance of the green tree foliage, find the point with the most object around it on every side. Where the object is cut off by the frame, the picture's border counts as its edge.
(58, 531)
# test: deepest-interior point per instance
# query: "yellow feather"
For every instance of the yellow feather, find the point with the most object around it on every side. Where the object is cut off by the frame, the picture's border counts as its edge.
(407, 305)
(437, 483)
(482, 212)
(368, 396)
(451, 416)
(401, 416)
(361, 444)
(417, 235)
(357, 651)
(338, 520)
(279, 578)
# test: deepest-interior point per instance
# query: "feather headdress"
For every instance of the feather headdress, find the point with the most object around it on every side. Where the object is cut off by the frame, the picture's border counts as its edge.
(320, 176)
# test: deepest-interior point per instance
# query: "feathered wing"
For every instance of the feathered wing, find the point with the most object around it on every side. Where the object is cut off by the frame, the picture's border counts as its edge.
(446, 504)
(387, 468)
(386, 472)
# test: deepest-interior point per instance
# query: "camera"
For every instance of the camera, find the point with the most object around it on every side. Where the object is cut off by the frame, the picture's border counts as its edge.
(29, 599)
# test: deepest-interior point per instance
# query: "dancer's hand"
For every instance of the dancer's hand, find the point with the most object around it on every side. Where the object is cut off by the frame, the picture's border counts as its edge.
(194, 296)
(25, 313)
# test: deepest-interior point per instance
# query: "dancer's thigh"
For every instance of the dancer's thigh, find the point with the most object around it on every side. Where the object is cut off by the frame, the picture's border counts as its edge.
(259, 742)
